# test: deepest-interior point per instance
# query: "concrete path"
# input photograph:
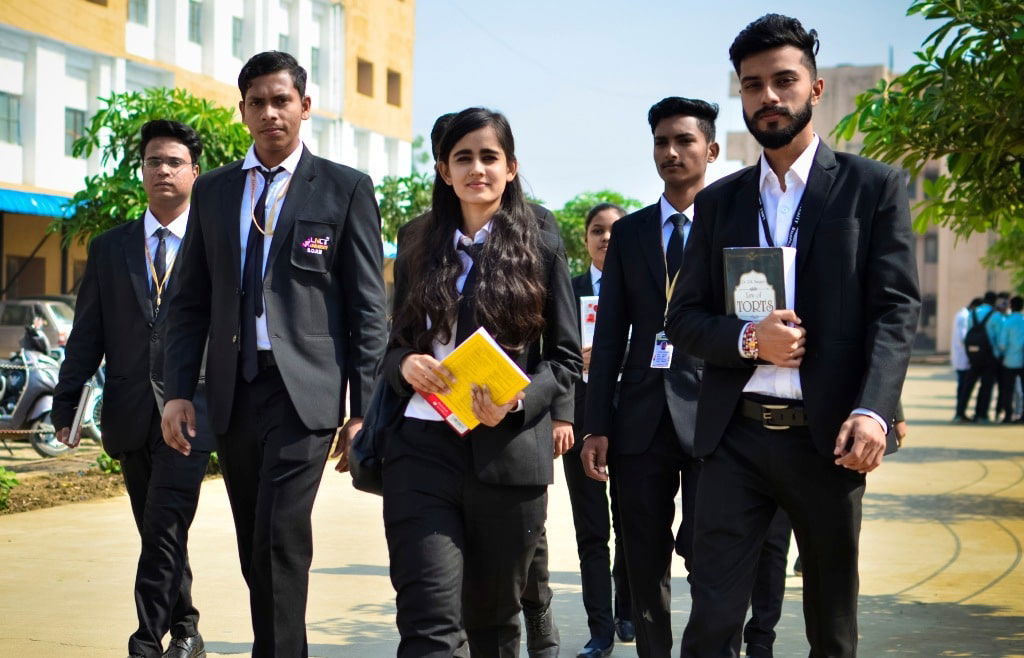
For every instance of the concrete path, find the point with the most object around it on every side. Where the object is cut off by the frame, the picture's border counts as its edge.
(941, 560)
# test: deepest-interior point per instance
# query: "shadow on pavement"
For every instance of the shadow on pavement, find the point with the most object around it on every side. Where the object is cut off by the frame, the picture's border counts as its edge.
(915, 455)
(946, 508)
(354, 570)
(890, 626)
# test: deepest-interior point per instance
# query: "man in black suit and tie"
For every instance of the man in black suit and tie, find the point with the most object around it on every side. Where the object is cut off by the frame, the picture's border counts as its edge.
(648, 436)
(282, 266)
(794, 409)
(131, 277)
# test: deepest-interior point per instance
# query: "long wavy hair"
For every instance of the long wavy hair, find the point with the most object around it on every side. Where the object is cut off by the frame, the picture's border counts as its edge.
(510, 293)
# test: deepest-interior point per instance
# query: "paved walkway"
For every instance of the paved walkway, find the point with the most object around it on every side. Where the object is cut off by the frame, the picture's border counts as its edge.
(941, 560)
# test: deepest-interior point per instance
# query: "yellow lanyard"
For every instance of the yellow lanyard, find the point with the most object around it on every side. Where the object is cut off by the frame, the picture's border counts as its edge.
(157, 284)
(270, 216)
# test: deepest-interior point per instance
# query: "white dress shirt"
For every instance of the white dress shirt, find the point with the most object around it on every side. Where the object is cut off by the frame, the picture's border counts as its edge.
(667, 210)
(278, 188)
(780, 207)
(171, 243)
(595, 279)
(957, 352)
(418, 407)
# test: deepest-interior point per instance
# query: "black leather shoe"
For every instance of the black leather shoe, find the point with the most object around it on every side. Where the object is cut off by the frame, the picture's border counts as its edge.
(186, 647)
(541, 634)
(758, 651)
(625, 630)
(597, 649)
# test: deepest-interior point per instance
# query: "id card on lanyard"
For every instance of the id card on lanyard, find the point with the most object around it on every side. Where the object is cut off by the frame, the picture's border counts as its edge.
(661, 357)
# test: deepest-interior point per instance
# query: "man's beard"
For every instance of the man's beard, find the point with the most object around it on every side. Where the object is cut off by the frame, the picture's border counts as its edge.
(774, 139)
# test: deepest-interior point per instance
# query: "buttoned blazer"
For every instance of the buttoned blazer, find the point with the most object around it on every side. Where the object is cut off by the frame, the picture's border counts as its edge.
(633, 287)
(856, 293)
(114, 318)
(517, 451)
(322, 285)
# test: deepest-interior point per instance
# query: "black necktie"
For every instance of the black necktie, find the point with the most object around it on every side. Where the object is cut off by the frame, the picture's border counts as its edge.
(674, 251)
(466, 323)
(252, 280)
(159, 262)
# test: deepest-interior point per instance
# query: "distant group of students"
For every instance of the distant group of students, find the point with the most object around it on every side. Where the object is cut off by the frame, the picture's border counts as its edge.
(766, 427)
(986, 350)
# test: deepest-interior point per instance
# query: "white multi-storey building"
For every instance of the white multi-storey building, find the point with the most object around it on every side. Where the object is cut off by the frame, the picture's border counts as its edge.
(59, 57)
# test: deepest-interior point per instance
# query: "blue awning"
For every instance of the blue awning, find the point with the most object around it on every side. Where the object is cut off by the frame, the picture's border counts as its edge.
(34, 203)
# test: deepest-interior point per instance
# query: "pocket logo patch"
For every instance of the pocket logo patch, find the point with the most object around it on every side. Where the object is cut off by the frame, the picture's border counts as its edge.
(315, 245)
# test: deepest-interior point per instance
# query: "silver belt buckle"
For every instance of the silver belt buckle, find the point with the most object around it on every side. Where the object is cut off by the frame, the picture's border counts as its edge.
(766, 416)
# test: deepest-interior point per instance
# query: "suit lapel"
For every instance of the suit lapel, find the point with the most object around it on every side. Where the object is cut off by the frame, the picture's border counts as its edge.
(649, 234)
(300, 189)
(134, 248)
(231, 212)
(819, 184)
(582, 286)
(745, 230)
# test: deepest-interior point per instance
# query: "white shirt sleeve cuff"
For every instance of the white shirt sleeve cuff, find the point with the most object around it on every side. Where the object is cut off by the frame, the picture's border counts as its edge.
(518, 407)
(861, 411)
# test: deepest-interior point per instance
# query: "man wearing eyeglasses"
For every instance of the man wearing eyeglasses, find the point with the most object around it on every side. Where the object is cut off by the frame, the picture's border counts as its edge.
(131, 275)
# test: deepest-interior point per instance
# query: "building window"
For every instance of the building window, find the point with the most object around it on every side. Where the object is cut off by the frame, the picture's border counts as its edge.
(364, 77)
(74, 126)
(282, 43)
(394, 88)
(931, 174)
(314, 65)
(195, 21)
(138, 11)
(931, 248)
(236, 36)
(10, 118)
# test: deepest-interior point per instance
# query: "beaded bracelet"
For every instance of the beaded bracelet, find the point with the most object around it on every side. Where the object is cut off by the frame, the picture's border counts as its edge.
(750, 341)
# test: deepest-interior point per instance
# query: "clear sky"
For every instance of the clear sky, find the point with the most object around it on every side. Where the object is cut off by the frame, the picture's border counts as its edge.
(576, 77)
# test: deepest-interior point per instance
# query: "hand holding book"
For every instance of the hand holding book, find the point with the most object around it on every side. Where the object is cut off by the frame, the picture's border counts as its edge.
(780, 339)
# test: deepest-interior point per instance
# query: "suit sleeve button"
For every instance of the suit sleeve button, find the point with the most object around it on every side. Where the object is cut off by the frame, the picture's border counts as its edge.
(234, 338)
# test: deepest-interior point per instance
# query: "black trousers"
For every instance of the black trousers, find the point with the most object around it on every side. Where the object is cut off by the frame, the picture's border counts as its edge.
(753, 472)
(163, 487)
(647, 485)
(536, 598)
(460, 549)
(1008, 378)
(589, 500)
(272, 465)
(769, 589)
(986, 380)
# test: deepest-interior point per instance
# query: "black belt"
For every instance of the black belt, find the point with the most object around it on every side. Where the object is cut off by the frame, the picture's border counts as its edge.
(774, 416)
(265, 359)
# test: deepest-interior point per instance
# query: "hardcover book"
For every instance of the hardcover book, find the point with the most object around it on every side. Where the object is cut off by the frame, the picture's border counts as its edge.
(758, 280)
(477, 360)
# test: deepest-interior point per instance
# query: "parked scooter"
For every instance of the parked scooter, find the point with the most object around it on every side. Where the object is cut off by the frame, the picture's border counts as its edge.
(27, 382)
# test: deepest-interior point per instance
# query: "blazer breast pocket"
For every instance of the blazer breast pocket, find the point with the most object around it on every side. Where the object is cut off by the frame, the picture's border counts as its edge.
(313, 245)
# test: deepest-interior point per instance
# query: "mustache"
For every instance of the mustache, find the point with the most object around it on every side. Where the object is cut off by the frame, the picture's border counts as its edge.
(776, 109)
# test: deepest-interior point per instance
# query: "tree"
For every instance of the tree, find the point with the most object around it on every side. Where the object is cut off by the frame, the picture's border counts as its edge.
(572, 216)
(963, 103)
(403, 198)
(116, 195)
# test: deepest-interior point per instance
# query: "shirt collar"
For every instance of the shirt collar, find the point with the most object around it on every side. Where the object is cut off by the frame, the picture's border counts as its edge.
(667, 210)
(801, 167)
(479, 238)
(289, 164)
(177, 226)
(595, 275)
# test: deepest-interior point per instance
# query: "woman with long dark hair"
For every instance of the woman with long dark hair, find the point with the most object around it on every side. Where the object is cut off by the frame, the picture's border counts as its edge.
(463, 514)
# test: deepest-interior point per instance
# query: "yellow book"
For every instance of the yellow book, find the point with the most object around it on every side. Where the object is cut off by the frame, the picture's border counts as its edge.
(478, 360)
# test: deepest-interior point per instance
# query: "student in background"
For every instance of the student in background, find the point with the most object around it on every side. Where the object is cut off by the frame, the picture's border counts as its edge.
(589, 497)
(1010, 348)
(958, 359)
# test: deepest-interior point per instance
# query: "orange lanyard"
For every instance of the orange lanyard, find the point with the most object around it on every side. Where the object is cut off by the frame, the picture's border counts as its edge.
(270, 216)
(157, 283)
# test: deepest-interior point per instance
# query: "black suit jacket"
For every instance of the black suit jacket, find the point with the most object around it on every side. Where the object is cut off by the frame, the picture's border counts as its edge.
(856, 293)
(325, 310)
(114, 318)
(518, 451)
(633, 294)
(581, 287)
